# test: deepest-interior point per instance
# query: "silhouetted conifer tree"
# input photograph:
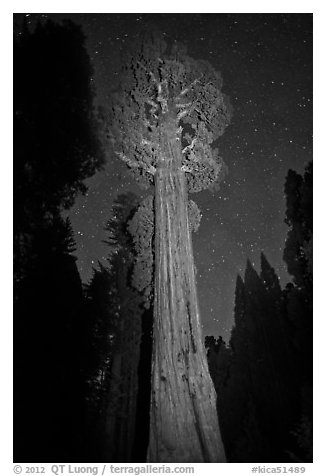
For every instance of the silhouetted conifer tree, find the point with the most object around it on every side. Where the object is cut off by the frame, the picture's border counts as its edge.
(48, 386)
(218, 355)
(279, 332)
(270, 279)
(56, 146)
(116, 310)
(298, 300)
(298, 246)
(267, 389)
(236, 398)
(241, 326)
(257, 399)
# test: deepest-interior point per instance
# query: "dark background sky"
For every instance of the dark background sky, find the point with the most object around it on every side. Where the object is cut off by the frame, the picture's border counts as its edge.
(266, 64)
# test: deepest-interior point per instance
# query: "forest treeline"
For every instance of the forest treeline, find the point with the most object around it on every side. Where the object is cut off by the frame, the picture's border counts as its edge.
(82, 352)
(263, 378)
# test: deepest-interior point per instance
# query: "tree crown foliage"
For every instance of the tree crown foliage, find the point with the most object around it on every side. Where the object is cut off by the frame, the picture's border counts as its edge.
(123, 209)
(168, 95)
(268, 276)
(298, 248)
(56, 126)
(141, 227)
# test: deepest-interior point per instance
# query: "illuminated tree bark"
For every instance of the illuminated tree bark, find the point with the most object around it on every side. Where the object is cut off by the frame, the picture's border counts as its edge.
(184, 426)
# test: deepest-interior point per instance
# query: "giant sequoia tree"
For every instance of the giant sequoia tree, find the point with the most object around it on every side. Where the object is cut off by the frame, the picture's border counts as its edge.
(167, 114)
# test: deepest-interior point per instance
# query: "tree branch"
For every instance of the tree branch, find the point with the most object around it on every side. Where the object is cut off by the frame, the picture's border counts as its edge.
(182, 114)
(148, 72)
(160, 98)
(190, 146)
(130, 162)
(191, 85)
(185, 104)
(186, 168)
(148, 142)
(154, 106)
(136, 163)
(151, 169)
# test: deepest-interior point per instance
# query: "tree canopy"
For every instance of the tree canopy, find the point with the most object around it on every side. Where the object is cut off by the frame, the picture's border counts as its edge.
(57, 144)
(159, 87)
(298, 248)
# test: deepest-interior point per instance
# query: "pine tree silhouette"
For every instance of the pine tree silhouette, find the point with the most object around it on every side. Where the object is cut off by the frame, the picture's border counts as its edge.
(56, 146)
(118, 323)
(298, 299)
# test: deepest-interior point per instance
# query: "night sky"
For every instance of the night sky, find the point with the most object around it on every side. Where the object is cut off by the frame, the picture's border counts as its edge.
(266, 64)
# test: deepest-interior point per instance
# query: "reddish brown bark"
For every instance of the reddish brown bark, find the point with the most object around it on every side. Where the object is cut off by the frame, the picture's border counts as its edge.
(184, 425)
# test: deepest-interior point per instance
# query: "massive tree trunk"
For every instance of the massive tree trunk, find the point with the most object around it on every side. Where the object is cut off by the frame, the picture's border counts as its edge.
(183, 418)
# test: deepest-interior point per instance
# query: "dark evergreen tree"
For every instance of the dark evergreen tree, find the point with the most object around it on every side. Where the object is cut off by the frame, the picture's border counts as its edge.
(241, 327)
(54, 114)
(240, 425)
(165, 117)
(123, 387)
(258, 399)
(56, 146)
(56, 132)
(116, 311)
(298, 257)
(279, 332)
(100, 303)
(298, 299)
(234, 395)
(270, 279)
(267, 390)
(218, 355)
(298, 246)
(141, 228)
(48, 386)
